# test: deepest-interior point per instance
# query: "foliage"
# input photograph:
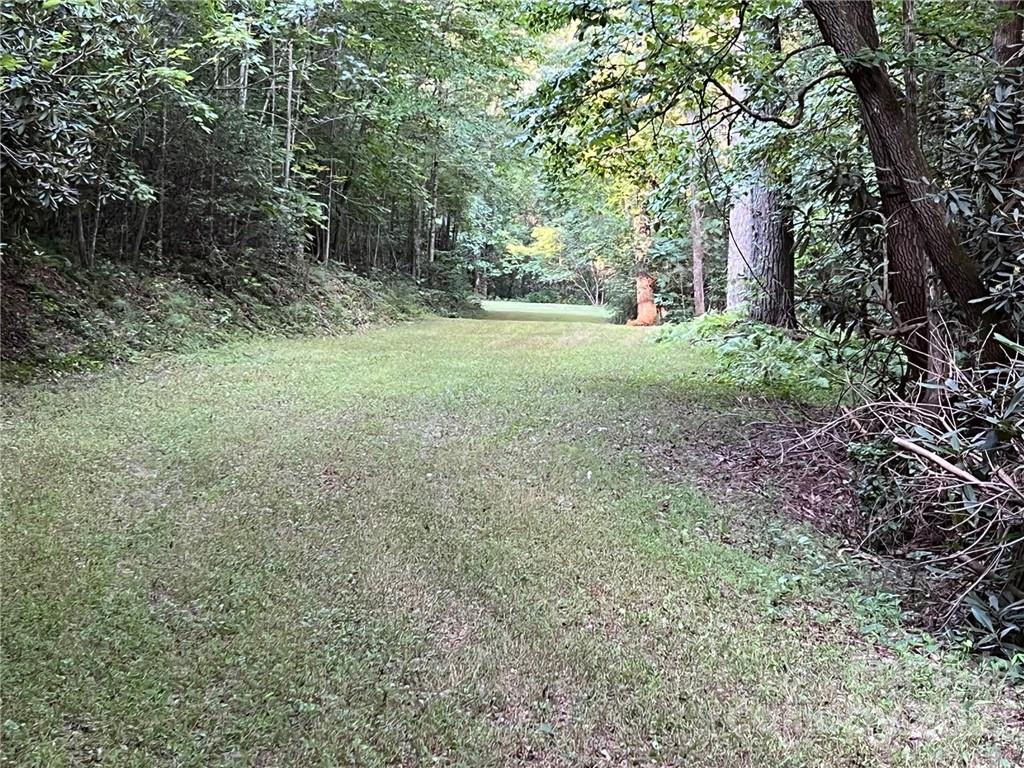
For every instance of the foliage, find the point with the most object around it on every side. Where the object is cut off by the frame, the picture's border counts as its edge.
(233, 140)
(943, 478)
(174, 169)
(58, 319)
(761, 357)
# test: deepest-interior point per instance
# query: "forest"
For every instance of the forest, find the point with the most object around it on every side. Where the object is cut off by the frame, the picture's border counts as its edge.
(309, 456)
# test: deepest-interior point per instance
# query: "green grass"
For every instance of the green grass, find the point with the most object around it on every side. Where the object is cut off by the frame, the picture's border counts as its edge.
(524, 310)
(427, 545)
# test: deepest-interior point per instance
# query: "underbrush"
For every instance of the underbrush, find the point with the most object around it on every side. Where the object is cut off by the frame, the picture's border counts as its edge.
(942, 483)
(59, 319)
(937, 469)
(752, 356)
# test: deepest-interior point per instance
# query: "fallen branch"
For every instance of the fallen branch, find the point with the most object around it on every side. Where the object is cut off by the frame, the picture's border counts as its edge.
(967, 477)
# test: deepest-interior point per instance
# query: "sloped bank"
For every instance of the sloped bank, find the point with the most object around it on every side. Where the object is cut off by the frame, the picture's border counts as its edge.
(55, 319)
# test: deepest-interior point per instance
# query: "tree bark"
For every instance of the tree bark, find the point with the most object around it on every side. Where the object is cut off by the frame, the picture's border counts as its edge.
(288, 117)
(1006, 42)
(849, 28)
(740, 256)
(432, 223)
(772, 238)
(771, 255)
(415, 235)
(697, 243)
(1008, 49)
(909, 73)
(646, 311)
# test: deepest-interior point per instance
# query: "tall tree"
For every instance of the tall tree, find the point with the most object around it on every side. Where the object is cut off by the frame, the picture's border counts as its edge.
(849, 29)
(772, 298)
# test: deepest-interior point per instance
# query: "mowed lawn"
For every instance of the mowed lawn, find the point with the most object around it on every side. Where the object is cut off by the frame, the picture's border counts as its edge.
(523, 310)
(431, 545)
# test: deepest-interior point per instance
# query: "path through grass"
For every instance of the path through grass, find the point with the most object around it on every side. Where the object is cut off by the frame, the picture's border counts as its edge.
(424, 545)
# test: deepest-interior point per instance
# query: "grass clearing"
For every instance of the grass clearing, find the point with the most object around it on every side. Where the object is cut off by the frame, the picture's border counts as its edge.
(425, 544)
(525, 310)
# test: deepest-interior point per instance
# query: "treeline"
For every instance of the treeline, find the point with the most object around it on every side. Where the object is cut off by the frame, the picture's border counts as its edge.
(850, 177)
(243, 141)
(868, 148)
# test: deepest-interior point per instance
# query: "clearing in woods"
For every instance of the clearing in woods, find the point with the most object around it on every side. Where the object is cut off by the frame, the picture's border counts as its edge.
(434, 544)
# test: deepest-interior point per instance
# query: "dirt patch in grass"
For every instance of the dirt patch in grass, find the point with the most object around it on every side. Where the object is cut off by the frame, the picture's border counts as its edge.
(745, 451)
(773, 460)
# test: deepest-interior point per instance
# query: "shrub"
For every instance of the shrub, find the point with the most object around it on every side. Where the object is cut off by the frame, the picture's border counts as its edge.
(751, 355)
(943, 476)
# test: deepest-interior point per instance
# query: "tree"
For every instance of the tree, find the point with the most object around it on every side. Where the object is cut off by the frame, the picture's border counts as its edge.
(849, 29)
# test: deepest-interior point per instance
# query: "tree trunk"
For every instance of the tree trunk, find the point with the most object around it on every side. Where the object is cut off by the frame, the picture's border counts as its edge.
(741, 240)
(697, 242)
(1008, 49)
(741, 246)
(432, 223)
(849, 28)
(140, 233)
(906, 262)
(771, 254)
(288, 116)
(646, 311)
(82, 249)
(162, 198)
(325, 257)
(415, 235)
(1006, 42)
(772, 237)
(909, 73)
(243, 82)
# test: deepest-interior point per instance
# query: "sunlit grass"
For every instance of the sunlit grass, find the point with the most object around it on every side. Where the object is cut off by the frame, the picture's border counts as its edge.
(523, 310)
(425, 545)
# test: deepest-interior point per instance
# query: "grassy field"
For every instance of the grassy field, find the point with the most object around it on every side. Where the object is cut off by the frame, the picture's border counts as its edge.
(427, 545)
(523, 310)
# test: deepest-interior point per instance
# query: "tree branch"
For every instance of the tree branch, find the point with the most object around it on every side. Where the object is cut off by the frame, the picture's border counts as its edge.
(800, 95)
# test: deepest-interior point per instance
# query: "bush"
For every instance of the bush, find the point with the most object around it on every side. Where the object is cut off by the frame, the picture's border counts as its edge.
(543, 296)
(943, 476)
(751, 355)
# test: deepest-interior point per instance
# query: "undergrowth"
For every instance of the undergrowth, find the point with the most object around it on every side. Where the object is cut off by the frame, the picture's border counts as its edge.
(771, 360)
(936, 467)
(57, 319)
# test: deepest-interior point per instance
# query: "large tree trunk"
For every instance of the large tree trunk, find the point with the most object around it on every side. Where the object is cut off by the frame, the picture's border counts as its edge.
(849, 28)
(696, 224)
(772, 300)
(1006, 42)
(760, 261)
(740, 254)
(772, 237)
(906, 262)
(1008, 49)
(646, 311)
